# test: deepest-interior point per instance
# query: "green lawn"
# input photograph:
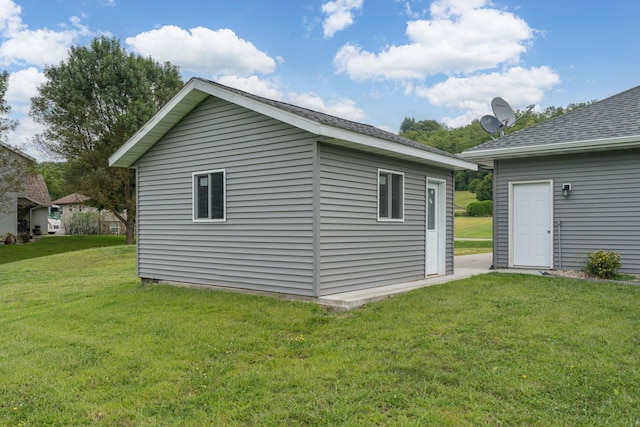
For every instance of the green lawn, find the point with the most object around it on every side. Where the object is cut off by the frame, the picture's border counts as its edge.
(82, 343)
(463, 198)
(467, 227)
(50, 245)
(472, 247)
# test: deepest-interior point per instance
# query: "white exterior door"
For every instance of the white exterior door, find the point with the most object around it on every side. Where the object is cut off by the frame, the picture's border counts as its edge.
(435, 229)
(531, 224)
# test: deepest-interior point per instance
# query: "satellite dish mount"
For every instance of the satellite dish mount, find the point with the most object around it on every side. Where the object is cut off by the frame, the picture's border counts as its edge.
(504, 117)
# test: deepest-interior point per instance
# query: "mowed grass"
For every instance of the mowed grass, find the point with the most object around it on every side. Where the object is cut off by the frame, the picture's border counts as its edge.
(463, 198)
(83, 343)
(51, 245)
(467, 227)
(471, 228)
(472, 247)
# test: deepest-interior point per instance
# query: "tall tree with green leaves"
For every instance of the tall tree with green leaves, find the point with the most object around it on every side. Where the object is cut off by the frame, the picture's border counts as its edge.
(55, 175)
(457, 140)
(90, 105)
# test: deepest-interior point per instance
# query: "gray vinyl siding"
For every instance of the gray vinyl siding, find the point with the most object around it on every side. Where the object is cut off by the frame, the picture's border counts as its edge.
(356, 250)
(602, 211)
(266, 243)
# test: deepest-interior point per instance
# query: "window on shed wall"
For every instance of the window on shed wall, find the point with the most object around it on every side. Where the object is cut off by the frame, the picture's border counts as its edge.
(209, 196)
(390, 196)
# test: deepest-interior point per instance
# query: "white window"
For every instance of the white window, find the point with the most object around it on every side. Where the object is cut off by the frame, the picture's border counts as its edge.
(209, 196)
(390, 195)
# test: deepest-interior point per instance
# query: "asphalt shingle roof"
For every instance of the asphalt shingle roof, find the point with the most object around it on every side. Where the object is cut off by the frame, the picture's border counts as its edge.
(613, 117)
(73, 198)
(337, 122)
(37, 190)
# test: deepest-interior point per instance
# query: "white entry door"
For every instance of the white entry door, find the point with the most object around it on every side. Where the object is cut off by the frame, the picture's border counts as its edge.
(532, 224)
(435, 229)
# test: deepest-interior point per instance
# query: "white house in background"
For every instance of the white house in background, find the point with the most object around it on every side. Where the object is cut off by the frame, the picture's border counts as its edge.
(77, 203)
(240, 191)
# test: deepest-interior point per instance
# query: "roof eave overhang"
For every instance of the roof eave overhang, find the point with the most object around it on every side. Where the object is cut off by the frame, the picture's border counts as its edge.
(28, 201)
(196, 90)
(166, 118)
(378, 146)
(487, 157)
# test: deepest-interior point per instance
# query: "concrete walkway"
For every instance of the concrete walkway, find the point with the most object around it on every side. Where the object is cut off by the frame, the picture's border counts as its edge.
(464, 266)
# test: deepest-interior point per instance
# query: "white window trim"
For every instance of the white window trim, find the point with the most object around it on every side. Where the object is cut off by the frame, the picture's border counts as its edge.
(380, 219)
(194, 204)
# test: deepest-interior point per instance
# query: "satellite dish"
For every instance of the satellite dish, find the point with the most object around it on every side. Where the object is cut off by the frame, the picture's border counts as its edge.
(503, 111)
(490, 124)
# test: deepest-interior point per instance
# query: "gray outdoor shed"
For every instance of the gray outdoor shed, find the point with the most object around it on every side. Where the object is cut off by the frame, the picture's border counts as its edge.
(240, 191)
(568, 186)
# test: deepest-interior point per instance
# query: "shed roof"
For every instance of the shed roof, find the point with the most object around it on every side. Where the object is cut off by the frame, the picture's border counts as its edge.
(332, 129)
(605, 125)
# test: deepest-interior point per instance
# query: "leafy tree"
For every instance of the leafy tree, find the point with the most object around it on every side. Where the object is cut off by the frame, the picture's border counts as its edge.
(483, 188)
(55, 175)
(90, 105)
(13, 167)
(457, 140)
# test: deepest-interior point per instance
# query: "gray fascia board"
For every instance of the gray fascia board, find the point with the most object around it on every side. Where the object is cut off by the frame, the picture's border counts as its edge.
(620, 143)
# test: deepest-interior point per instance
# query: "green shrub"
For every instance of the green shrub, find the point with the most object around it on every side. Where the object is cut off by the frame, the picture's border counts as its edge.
(483, 208)
(603, 264)
(83, 223)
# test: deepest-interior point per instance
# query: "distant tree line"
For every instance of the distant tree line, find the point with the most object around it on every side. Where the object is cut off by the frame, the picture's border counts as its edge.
(457, 140)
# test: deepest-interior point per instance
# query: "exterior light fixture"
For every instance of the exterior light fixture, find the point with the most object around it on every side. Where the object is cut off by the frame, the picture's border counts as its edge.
(566, 190)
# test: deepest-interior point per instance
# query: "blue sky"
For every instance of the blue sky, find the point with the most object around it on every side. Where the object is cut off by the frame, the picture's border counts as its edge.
(373, 61)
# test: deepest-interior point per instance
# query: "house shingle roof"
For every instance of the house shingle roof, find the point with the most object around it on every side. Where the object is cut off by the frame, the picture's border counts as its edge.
(613, 117)
(334, 121)
(74, 198)
(329, 128)
(37, 190)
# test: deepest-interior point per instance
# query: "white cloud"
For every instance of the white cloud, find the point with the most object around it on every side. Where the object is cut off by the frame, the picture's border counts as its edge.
(254, 85)
(519, 86)
(202, 50)
(339, 15)
(344, 108)
(40, 47)
(10, 16)
(23, 85)
(22, 137)
(463, 36)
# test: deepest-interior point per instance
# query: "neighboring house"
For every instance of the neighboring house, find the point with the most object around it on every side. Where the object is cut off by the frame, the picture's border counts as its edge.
(240, 191)
(24, 198)
(76, 203)
(33, 210)
(13, 186)
(567, 187)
